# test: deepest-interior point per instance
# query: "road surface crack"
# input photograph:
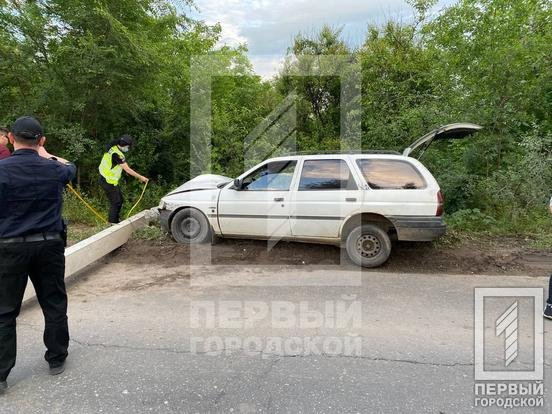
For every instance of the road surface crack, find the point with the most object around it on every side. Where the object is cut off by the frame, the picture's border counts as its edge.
(268, 355)
(265, 355)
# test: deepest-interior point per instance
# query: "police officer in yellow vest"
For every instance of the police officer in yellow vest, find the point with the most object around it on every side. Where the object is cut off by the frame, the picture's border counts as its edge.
(111, 168)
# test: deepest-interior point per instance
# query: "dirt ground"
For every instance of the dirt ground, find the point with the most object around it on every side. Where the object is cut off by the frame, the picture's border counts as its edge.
(491, 257)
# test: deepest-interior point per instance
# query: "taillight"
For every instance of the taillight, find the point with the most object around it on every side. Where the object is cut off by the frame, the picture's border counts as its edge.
(440, 204)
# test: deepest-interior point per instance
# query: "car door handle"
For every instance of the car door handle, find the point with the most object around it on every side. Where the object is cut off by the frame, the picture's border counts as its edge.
(279, 199)
(351, 199)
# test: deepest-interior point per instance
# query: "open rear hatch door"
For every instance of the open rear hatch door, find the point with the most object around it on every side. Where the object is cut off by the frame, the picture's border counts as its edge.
(450, 131)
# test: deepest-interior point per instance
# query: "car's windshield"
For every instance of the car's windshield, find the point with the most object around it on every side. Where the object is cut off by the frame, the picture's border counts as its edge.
(273, 176)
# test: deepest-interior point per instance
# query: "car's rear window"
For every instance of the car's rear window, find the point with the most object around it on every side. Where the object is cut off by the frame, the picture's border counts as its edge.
(391, 174)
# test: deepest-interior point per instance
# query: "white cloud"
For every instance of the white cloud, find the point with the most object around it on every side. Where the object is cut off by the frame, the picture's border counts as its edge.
(229, 13)
(268, 26)
(267, 65)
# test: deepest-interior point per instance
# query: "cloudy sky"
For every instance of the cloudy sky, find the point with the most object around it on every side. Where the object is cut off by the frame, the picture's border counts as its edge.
(269, 26)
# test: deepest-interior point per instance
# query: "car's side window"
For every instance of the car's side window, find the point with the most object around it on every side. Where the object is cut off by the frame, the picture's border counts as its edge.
(326, 175)
(273, 176)
(381, 174)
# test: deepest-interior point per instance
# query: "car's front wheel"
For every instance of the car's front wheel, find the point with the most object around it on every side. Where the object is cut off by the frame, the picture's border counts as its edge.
(368, 245)
(190, 226)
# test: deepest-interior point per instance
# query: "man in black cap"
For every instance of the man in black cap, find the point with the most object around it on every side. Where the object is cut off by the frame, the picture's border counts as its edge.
(32, 242)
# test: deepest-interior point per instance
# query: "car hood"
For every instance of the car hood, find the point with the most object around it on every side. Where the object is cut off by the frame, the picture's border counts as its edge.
(201, 182)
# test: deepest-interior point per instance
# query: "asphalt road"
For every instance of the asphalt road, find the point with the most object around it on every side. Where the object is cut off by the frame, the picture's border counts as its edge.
(165, 338)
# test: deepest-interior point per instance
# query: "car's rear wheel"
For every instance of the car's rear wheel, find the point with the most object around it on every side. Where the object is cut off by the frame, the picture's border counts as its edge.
(190, 226)
(368, 245)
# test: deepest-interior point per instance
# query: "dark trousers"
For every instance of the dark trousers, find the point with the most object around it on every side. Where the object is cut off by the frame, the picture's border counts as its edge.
(44, 263)
(550, 290)
(115, 197)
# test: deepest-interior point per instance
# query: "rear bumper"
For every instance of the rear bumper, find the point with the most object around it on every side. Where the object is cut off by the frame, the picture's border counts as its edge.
(164, 216)
(419, 228)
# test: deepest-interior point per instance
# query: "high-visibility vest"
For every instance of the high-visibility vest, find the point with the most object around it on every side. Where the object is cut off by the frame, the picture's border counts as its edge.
(111, 173)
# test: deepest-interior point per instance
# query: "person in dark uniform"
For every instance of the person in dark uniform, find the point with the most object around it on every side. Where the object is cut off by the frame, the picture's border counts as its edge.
(4, 151)
(111, 168)
(548, 310)
(32, 243)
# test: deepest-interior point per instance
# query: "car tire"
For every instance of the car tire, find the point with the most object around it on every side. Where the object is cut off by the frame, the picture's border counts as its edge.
(190, 226)
(368, 245)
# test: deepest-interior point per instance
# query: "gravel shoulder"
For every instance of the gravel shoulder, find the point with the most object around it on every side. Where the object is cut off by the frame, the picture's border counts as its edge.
(506, 256)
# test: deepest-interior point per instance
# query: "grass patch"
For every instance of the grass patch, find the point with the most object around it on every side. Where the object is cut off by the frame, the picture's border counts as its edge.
(543, 241)
(152, 232)
(80, 232)
(534, 227)
(75, 211)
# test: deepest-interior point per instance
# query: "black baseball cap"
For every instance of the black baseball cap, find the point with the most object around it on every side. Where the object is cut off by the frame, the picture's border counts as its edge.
(126, 140)
(27, 127)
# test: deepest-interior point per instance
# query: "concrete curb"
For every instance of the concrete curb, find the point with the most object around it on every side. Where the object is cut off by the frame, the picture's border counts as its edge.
(86, 252)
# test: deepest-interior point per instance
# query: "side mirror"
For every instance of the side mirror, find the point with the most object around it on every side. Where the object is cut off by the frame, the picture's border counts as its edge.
(238, 183)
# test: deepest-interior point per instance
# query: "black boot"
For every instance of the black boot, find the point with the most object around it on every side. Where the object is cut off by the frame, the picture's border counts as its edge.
(57, 368)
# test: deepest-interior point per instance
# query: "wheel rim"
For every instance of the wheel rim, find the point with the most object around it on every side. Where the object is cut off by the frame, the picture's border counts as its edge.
(190, 227)
(368, 245)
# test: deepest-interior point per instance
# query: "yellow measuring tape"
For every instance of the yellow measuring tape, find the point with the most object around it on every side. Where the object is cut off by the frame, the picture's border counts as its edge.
(93, 210)
(86, 204)
(140, 199)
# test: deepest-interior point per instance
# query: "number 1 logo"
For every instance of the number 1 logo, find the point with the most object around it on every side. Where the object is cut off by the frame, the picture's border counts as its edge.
(507, 324)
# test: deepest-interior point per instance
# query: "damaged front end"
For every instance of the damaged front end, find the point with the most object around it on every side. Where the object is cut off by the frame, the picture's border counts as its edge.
(200, 192)
(202, 182)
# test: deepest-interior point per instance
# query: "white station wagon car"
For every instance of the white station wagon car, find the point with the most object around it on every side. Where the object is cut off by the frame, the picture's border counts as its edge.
(360, 201)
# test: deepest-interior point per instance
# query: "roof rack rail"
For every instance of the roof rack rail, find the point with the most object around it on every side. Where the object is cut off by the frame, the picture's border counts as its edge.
(342, 152)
